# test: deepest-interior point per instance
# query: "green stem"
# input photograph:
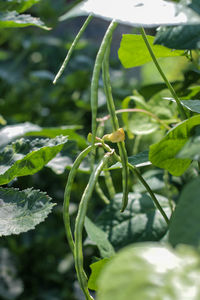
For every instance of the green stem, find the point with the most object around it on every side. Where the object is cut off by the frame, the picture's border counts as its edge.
(142, 180)
(101, 193)
(115, 124)
(170, 87)
(96, 75)
(71, 50)
(109, 184)
(149, 190)
(78, 249)
(68, 188)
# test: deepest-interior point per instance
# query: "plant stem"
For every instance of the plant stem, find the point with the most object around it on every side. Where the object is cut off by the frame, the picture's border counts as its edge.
(68, 188)
(78, 251)
(71, 50)
(109, 184)
(115, 124)
(170, 87)
(101, 193)
(119, 111)
(142, 180)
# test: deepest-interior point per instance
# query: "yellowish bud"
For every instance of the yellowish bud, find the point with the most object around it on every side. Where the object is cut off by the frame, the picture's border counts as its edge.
(115, 137)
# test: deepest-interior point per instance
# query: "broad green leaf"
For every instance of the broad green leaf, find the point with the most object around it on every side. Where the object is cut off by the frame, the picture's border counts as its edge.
(13, 19)
(149, 271)
(163, 154)
(17, 5)
(21, 211)
(192, 148)
(52, 132)
(137, 13)
(184, 225)
(133, 51)
(193, 105)
(96, 268)
(100, 238)
(26, 157)
(141, 221)
(139, 160)
(10, 132)
(179, 37)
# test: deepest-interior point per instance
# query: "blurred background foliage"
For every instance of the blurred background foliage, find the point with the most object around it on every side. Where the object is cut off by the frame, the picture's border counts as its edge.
(38, 265)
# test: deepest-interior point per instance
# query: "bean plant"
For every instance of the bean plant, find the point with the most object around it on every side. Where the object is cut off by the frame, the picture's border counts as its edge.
(147, 234)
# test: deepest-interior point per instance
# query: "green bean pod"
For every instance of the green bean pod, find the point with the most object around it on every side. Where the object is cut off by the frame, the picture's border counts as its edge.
(79, 224)
(115, 125)
(67, 193)
(71, 50)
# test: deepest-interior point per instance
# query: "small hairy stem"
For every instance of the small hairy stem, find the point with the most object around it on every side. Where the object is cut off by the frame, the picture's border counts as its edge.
(96, 75)
(149, 190)
(71, 50)
(78, 248)
(101, 193)
(140, 110)
(68, 188)
(115, 124)
(170, 87)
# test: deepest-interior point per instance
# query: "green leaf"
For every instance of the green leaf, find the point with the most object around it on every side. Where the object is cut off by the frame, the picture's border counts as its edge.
(100, 238)
(149, 271)
(96, 268)
(193, 105)
(163, 154)
(18, 5)
(21, 211)
(179, 37)
(139, 160)
(137, 13)
(13, 19)
(26, 157)
(192, 148)
(11, 132)
(133, 51)
(184, 225)
(141, 221)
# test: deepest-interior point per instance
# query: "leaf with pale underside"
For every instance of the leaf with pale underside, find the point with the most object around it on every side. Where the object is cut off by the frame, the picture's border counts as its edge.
(21, 211)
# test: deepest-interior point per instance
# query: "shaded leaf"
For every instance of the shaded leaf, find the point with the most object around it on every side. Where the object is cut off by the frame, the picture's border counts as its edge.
(192, 148)
(193, 105)
(149, 271)
(133, 51)
(139, 160)
(163, 154)
(21, 211)
(184, 225)
(179, 37)
(26, 157)
(96, 269)
(100, 238)
(137, 13)
(141, 221)
(13, 19)
(18, 5)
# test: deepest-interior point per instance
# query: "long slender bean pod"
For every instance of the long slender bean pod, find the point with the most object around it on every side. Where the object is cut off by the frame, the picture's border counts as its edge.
(78, 249)
(96, 75)
(71, 50)
(67, 193)
(115, 125)
(101, 193)
(170, 87)
(143, 181)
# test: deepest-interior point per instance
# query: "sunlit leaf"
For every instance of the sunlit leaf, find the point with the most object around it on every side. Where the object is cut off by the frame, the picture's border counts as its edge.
(96, 268)
(150, 271)
(137, 12)
(17, 5)
(133, 51)
(21, 211)
(13, 19)
(26, 157)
